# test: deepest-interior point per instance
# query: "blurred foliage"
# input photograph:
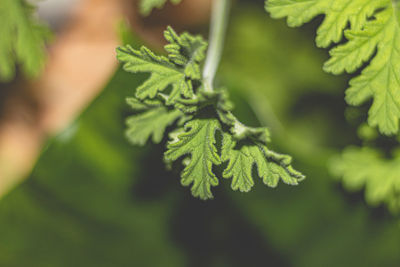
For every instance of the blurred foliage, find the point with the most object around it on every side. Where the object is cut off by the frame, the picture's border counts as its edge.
(78, 209)
(93, 200)
(23, 39)
(364, 166)
(146, 6)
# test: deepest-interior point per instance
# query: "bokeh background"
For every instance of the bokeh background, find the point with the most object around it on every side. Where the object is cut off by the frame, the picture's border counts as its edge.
(73, 192)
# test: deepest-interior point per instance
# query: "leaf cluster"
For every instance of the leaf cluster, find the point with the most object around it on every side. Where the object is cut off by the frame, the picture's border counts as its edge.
(366, 35)
(175, 95)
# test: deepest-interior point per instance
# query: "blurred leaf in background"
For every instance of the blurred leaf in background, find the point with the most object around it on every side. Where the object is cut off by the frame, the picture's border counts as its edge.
(23, 39)
(146, 6)
(366, 167)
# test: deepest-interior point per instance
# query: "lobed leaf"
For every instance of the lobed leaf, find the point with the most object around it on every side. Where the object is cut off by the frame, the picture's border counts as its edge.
(372, 32)
(198, 141)
(152, 122)
(178, 70)
(163, 72)
(180, 47)
(271, 167)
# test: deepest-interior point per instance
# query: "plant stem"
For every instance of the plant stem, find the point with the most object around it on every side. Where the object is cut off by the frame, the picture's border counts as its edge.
(218, 26)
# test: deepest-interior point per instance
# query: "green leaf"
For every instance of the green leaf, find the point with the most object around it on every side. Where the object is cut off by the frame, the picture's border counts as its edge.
(138, 105)
(198, 140)
(22, 40)
(180, 47)
(146, 6)
(163, 73)
(150, 123)
(373, 36)
(270, 166)
(201, 113)
(240, 165)
(365, 167)
(179, 69)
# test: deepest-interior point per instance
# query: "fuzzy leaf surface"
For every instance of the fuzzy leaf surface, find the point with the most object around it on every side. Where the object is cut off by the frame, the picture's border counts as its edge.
(271, 167)
(198, 142)
(178, 70)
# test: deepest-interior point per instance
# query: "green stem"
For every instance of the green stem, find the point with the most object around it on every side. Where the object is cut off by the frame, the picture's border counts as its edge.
(218, 26)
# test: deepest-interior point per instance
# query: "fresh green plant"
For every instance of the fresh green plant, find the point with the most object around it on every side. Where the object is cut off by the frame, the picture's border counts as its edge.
(180, 98)
(25, 40)
(198, 113)
(365, 34)
(178, 94)
(91, 200)
(374, 27)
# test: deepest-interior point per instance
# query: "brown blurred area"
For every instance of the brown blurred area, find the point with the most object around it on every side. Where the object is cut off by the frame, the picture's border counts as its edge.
(81, 59)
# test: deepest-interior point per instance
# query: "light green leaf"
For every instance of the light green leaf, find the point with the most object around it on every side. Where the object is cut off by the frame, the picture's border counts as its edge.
(163, 72)
(240, 164)
(146, 6)
(150, 123)
(177, 70)
(180, 47)
(373, 35)
(365, 167)
(198, 141)
(270, 166)
(22, 40)
(338, 14)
